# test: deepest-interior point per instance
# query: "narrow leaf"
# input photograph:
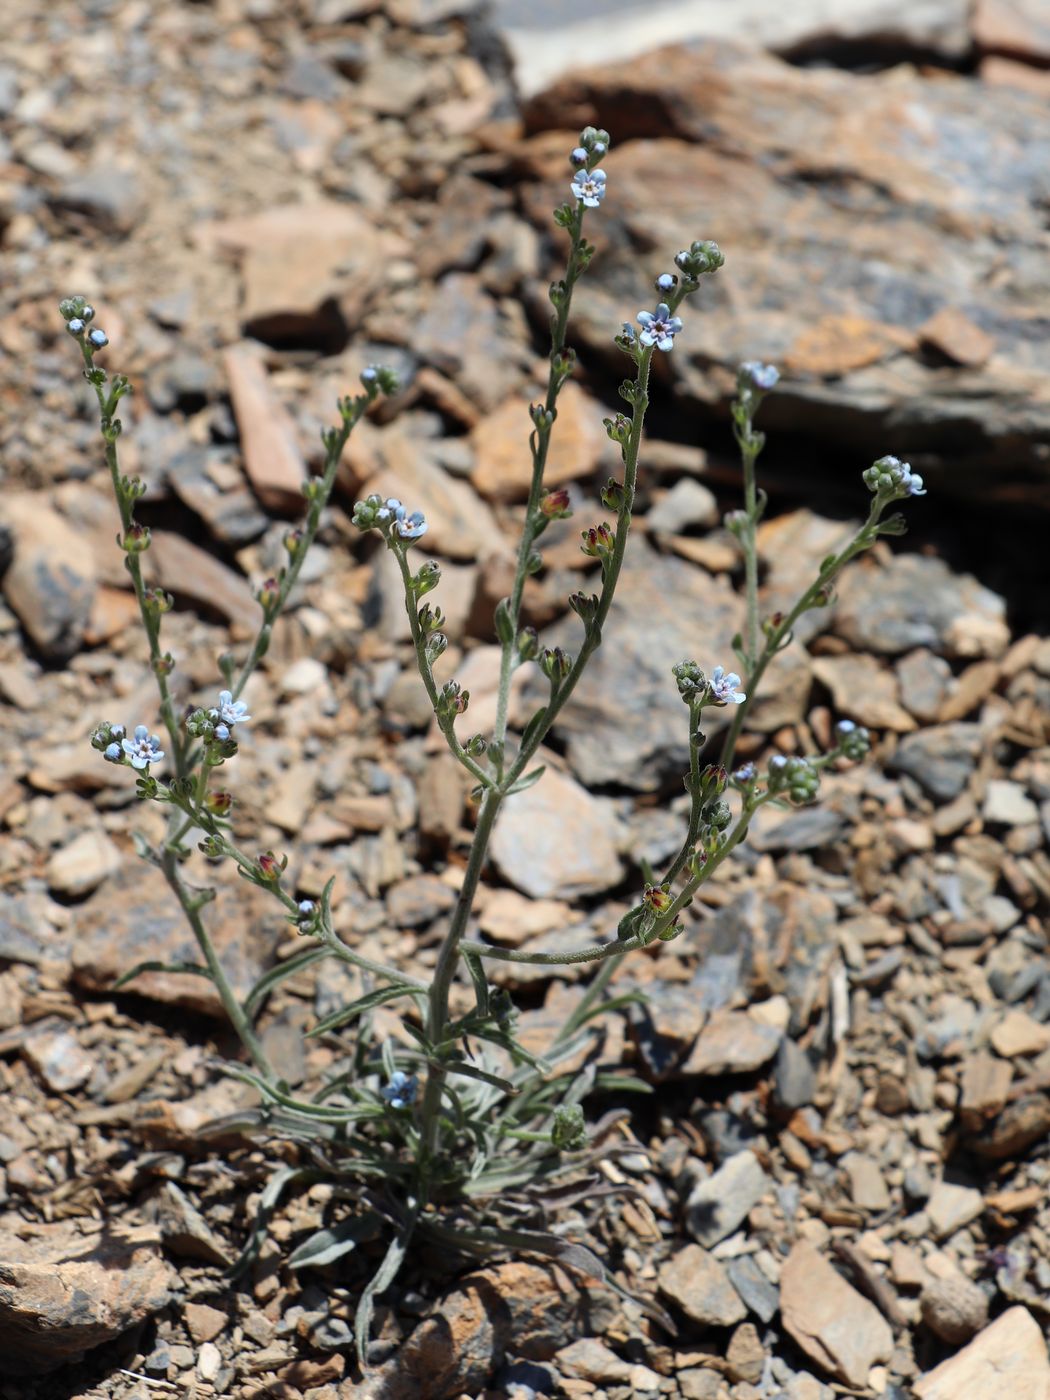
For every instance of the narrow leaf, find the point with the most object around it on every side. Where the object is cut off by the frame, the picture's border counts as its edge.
(527, 781)
(325, 1246)
(197, 969)
(276, 975)
(469, 1071)
(378, 1283)
(361, 1007)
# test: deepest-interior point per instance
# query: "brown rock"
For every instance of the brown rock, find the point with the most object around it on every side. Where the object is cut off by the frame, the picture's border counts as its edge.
(697, 1282)
(842, 1332)
(136, 918)
(64, 1290)
(503, 462)
(838, 344)
(309, 269)
(50, 582)
(82, 865)
(985, 1084)
(1019, 1034)
(1007, 1358)
(957, 338)
(204, 1323)
(1018, 1126)
(953, 1307)
(533, 1308)
(745, 1354)
(188, 571)
(1007, 72)
(59, 1059)
(459, 524)
(272, 458)
(732, 1042)
(511, 918)
(556, 840)
(950, 1207)
(864, 691)
(1019, 28)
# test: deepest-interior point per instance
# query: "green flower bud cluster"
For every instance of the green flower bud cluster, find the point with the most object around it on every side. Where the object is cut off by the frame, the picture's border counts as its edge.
(795, 777)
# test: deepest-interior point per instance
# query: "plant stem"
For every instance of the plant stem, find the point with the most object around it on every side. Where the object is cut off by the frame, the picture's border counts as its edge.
(448, 958)
(749, 542)
(777, 636)
(238, 1018)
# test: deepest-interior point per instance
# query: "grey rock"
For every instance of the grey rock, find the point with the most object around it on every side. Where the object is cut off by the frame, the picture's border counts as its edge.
(923, 678)
(794, 1076)
(941, 758)
(1008, 804)
(109, 197)
(761, 1297)
(233, 516)
(917, 601)
(185, 1231)
(718, 1204)
(555, 839)
(808, 829)
(687, 503)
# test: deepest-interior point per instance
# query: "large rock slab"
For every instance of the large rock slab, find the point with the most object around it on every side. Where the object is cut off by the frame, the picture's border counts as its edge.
(1007, 1358)
(64, 1291)
(546, 38)
(924, 180)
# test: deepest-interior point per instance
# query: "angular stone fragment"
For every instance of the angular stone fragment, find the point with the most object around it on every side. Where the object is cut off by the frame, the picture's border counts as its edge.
(503, 462)
(1008, 1358)
(272, 458)
(1020, 1034)
(50, 583)
(64, 1290)
(863, 691)
(951, 1207)
(842, 1332)
(555, 840)
(698, 1283)
(732, 1042)
(941, 758)
(718, 1204)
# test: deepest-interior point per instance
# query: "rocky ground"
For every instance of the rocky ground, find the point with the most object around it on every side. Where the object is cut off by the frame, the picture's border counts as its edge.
(839, 1184)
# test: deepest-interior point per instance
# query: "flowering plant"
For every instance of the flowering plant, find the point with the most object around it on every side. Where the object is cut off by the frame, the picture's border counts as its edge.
(454, 1133)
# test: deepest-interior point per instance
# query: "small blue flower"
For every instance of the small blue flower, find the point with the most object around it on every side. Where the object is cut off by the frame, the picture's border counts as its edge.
(578, 156)
(306, 907)
(666, 282)
(369, 373)
(627, 333)
(764, 377)
(777, 763)
(912, 482)
(402, 1089)
(221, 732)
(745, 773)
(76, 326)
(113, 754)
(589, 187)
(143, 748)
(724, 687)
(231, 711)
(845, 726)
(98, 338)
(411, 527)
(659, 328)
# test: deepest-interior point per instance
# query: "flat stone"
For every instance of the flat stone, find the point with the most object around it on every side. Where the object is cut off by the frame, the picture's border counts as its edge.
(761, 1296)
(917, 601)
(188, 571)
(510, 918)
(1009, 1357)
(840, 1330)
(110, 197)
(1018, 28)
(135, 918)
(951, 1207)
(1007, 804)
(231, 513)
(863, 690)
(1020, 1034)
(463, 333)
(924, 680)
(686, 504)
(50, 583)
(719, 1203)
(952, 333)
(502, 460)
(185, 1231)
(867, 1186)
(66, 1289)
(80, 867)
(555, 840)
(732, 1042)
(272, 457)
(59, 1059)
(700, 1286)
(941, 758)
(459, 523)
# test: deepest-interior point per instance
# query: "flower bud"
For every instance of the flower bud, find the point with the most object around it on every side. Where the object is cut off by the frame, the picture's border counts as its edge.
(658, 898)
(527, 643)
(612, 495)
(269, 594)
(270, 868)
(555, 664)
(568, 1130)
(137, 538)
(426, 579)
(554, 505)
(219, 803)
(598, 540)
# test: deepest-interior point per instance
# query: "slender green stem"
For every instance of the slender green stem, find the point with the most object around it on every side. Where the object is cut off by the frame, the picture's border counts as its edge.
(419, 643)
(238, 1018)
(749, 542)
(610, 575)
(448, 959)
(777, 636)
(556, 377)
